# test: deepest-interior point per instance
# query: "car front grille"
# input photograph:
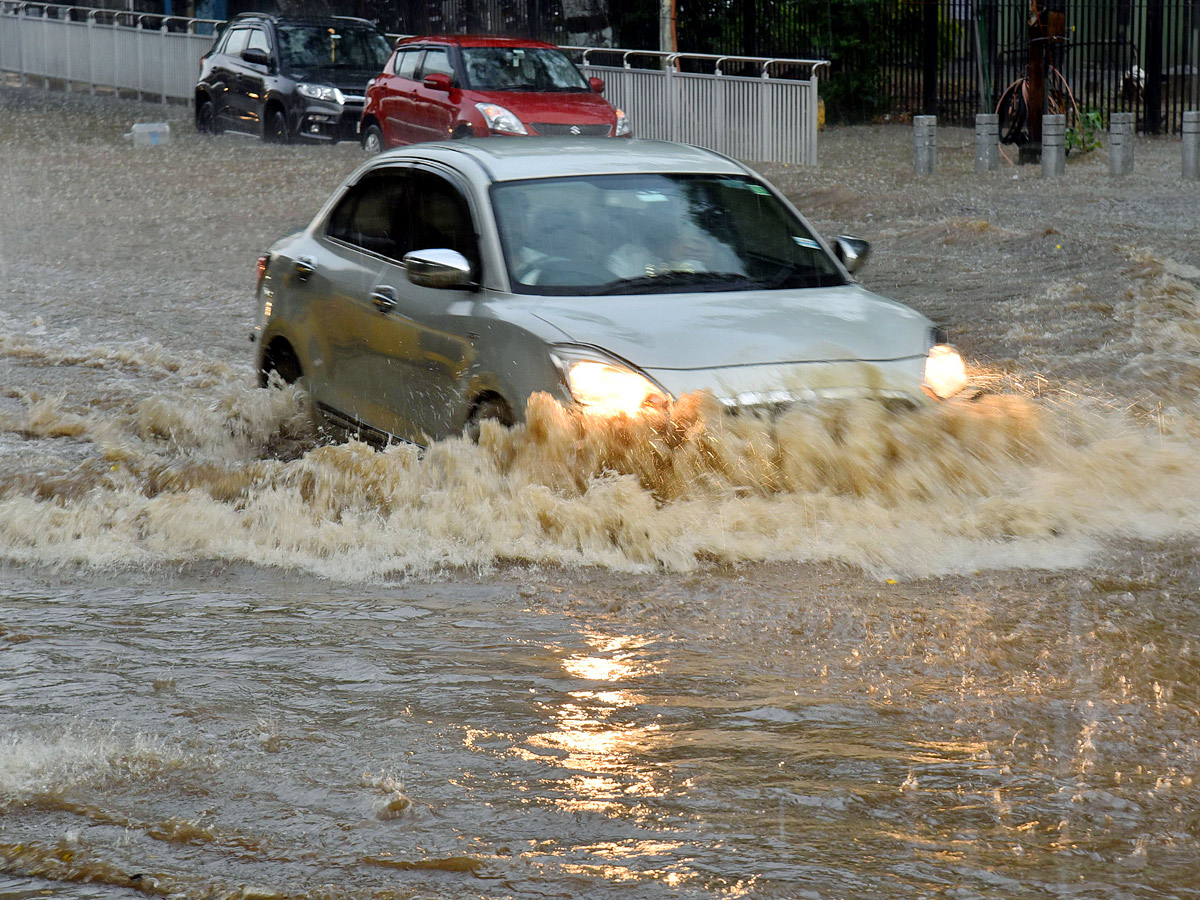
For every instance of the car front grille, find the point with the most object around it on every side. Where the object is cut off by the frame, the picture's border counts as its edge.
(573, 130)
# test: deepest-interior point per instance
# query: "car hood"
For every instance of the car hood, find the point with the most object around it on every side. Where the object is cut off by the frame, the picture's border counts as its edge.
(719, 330)
(559, 107)
(348, 81)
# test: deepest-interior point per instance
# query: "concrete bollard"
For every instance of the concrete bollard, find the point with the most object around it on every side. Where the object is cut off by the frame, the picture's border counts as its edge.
(1120, 144)
(1191, 145)
(987, 142)
(924, 144)
(1054, 145)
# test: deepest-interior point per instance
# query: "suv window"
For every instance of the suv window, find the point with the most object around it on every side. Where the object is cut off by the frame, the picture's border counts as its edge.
(258, 41)
(405, 64)
(437, 60)
(236, 42)
(371, 215)
(304, 46)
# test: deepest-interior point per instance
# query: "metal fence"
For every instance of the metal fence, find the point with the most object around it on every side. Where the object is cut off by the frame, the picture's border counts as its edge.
(953, 58)
(692, 97)
(748, 107)
(153, 55)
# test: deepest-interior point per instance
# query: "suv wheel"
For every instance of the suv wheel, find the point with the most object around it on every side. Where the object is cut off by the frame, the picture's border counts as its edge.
(372, 140)
(206, 118)
(277, 129)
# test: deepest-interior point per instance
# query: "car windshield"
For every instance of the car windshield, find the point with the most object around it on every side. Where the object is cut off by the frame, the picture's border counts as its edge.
(654, 233)
(521, 69)
(332, 47)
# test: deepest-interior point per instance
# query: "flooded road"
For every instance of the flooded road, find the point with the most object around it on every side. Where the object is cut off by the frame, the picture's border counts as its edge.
(846, 654)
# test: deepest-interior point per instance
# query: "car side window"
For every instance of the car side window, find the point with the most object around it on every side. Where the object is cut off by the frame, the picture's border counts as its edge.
(405, 65)
(371, 215)
(437, 60)
(440, 218)
(258, 41)
(237, 41)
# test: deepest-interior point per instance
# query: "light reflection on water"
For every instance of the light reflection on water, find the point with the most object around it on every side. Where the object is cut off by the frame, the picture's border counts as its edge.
(1010, 735)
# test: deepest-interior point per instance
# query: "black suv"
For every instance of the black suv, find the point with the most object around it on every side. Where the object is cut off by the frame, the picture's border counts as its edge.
(281, 78)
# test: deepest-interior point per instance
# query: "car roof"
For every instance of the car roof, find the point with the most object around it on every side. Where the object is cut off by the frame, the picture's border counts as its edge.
(300, 20)
(515, 159)
(474, 40)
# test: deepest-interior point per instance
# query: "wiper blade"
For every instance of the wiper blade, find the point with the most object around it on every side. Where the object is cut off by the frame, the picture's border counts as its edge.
(704, 281)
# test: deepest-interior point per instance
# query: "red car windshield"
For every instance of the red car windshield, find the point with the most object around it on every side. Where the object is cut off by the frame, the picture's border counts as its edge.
(521, 69)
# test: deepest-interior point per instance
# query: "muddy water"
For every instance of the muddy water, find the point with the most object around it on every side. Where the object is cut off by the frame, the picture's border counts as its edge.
(845, 653)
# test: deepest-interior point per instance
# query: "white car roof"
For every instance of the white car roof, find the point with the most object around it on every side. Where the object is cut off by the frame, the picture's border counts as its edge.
(513, 159)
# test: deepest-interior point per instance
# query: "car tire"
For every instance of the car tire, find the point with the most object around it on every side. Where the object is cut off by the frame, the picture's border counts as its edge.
(206, 119)
(276, 131)
(372, 140)
(462, 131)
(488, 408)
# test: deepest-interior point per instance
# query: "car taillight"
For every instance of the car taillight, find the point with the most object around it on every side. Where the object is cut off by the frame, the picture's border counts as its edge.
(263, 261)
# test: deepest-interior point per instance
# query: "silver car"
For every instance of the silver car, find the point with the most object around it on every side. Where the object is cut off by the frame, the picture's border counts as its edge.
(443, 284)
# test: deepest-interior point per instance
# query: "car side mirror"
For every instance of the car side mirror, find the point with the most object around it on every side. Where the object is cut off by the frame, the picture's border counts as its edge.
(852, 252)
(256, 57)
(438, 81)
(438, 269)
(597, 85)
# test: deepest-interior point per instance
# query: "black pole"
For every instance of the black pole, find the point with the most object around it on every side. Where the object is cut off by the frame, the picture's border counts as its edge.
(929, 57)
(1152, 121)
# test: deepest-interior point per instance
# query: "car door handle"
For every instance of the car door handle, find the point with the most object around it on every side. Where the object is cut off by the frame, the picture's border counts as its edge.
(385, 298)
(305, 266)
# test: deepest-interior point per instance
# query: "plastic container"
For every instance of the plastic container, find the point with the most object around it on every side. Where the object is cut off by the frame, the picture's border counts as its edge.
(150, 134)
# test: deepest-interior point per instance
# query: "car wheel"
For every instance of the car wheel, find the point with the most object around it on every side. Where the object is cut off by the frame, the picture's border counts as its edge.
(206, 118)
(488, 408)
(277, 129)
(462, 131)
(372, 140)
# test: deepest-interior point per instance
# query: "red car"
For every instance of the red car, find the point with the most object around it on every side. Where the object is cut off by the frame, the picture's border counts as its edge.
(433, 88)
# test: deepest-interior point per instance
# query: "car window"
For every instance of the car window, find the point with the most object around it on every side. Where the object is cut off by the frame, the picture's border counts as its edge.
(306, 47)
(654, 233)
(258, 41)
(371, 215)
(441, 218)
(521, 69)
(237, 41)
(437, 60)
(405, 64)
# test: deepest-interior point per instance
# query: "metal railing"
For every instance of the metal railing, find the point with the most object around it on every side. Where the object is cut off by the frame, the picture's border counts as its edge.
(153, 55)
(756, 108)
(754, 116)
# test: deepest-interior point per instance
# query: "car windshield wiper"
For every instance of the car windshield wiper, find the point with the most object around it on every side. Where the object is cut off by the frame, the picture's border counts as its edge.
(649, 284)
(793, 276)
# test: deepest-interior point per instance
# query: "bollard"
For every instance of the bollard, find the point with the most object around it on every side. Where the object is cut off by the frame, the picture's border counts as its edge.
(987, 142)
(1120, 144)
(1191, 145)
(1054, 145)
(924, 144)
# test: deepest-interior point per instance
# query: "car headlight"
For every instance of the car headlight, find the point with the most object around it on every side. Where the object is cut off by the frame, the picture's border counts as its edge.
(945, 372)
(500, 120)
(623, 127)
(322, 92)
(604, 386)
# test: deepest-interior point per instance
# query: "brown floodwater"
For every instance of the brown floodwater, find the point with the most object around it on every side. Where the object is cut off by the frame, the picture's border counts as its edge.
(845, 653)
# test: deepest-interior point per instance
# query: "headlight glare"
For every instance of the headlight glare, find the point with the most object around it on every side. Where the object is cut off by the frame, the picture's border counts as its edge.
(945, 372)
(500, 120)
(322, 92)
(605, 387)
(623, 128)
